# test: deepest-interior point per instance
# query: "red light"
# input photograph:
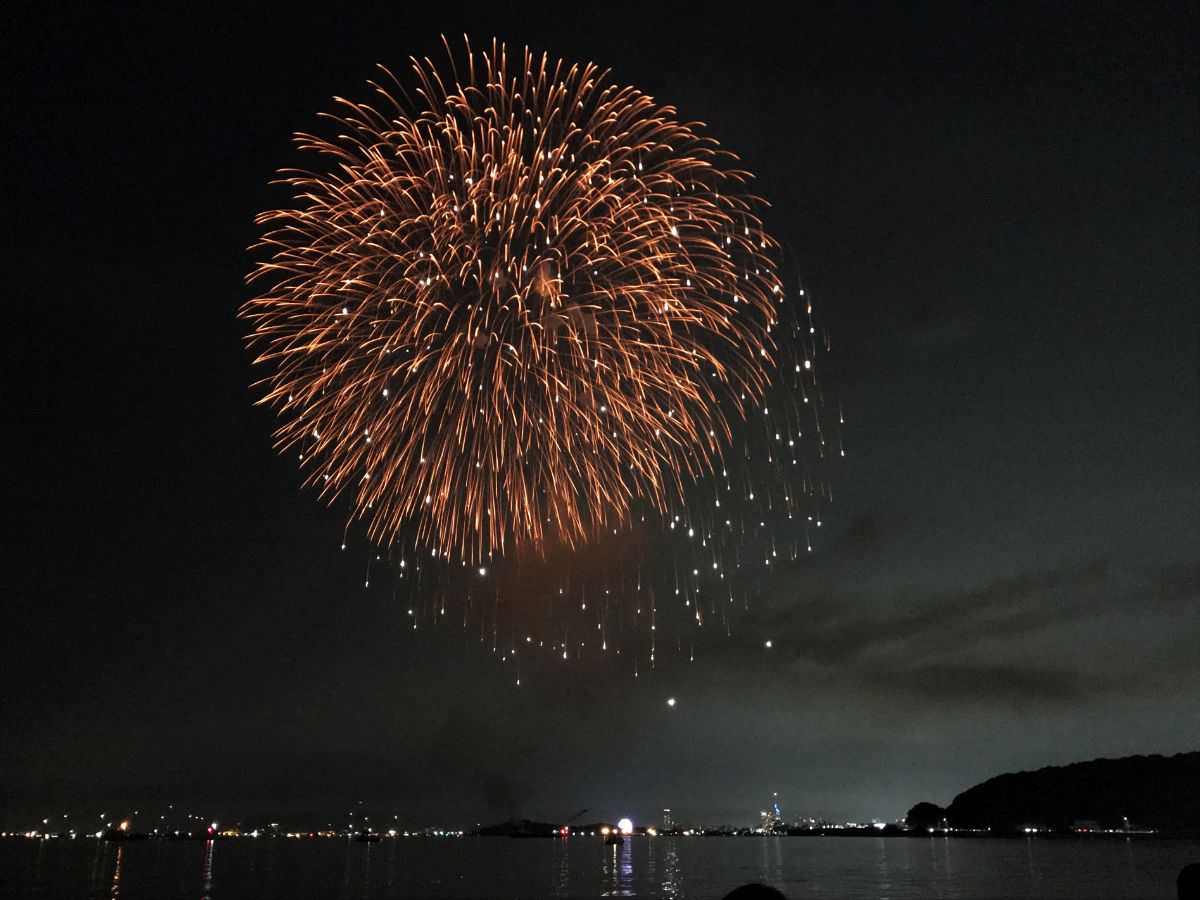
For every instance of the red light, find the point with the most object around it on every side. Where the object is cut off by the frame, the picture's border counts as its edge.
(564, 831)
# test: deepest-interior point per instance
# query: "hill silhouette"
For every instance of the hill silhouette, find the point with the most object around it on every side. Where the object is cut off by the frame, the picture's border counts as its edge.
(1134, 791)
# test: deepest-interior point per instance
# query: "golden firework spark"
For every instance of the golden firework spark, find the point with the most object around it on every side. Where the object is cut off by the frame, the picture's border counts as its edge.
(509, 303)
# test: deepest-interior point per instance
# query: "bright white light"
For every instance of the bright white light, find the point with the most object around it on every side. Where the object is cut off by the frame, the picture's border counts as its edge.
(767, 645)
(625, 826)
(670, 701)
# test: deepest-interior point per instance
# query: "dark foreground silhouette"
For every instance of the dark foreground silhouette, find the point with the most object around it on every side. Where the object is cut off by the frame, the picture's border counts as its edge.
(754, 892)
(1187, 885)
(1156, 792)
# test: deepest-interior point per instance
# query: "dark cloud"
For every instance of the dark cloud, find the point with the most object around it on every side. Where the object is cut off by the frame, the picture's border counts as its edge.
(834, 627)
(868, 533)
(460, 758)
(972, 646)
(1174, 583)
(1016, 687)
(937, 323)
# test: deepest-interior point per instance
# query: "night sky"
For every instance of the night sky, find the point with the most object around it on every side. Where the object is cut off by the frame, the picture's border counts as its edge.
(996, 210)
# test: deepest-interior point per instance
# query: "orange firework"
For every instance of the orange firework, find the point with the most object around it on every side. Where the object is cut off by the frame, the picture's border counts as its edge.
(509, 303)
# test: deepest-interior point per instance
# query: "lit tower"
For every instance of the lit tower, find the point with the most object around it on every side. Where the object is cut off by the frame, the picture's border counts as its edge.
(668, 822)
(772, 817)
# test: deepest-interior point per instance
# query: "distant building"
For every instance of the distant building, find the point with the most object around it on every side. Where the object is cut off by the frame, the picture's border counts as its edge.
(668, 821)
(772, 817)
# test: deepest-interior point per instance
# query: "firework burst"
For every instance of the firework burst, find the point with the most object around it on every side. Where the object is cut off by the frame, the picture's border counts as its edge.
(509, 303)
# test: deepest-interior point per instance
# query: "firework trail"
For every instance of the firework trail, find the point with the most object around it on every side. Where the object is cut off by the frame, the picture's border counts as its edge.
(511, 306)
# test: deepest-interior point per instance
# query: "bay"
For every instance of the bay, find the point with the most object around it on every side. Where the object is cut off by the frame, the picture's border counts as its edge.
(829, 868)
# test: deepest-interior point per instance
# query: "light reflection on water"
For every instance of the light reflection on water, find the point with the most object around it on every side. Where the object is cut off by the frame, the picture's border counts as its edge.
(206, 878)
(564, 869)
(617, 870)
(97, 859)
(667, 867)
(672, 882)
(772, 864)
(116, 879)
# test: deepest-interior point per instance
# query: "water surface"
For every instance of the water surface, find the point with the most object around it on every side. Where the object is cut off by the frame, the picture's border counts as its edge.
(829, 868)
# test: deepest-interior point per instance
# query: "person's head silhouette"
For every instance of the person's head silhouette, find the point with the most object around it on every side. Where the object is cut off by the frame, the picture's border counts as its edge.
(754, 892)
(1187, 885)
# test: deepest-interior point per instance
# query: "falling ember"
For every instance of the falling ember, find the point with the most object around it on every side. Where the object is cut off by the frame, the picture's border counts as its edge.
(504, 309)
